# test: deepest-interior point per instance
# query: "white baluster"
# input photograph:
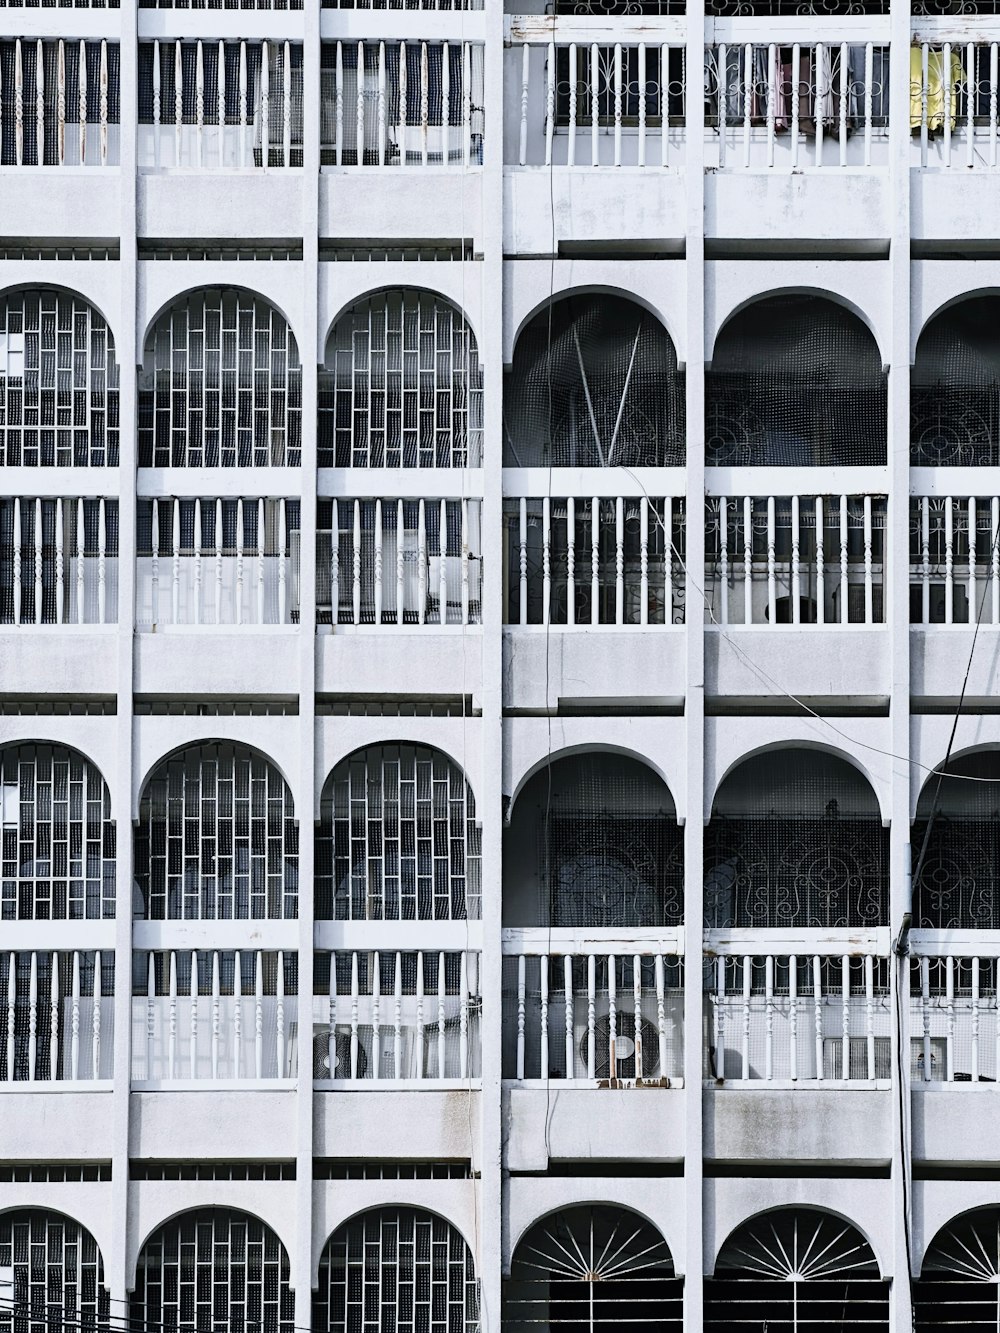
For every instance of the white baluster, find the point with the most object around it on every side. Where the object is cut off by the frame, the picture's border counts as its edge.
(443, 564)
(612, 1018)
(18, 107)
(947, 102)
(354, 1015)
(661, 1016)
(796, 575)
(239, 561)
(199, 103)
(525, 78)
(819, 101)
(845, 1017)
(521, 966)
(595, 560)
(286, 107)
(150, 1014)
(54, 1019)
(218, 562)
(720, 1018)
(95, 1022)
(104, 102)
(261, 540)
(424, 104)
(843, 102)
(869, 580)
(178, 102)
(925, 1014)
(644, 562)
(748, 82)
(61, 103)
(60, 556)
(591, 1017)
(950, 1011)
(421, 563)
(974, 1005)
(869, 76)
(463, 1017)
(464, 511)
(949, 562)
(216, 1015)
(466, 103)
(796, 56)
(641, 145)
(258, 1017)
(844, 608)
(376, 1015)
(403, 106)
(618, 104)
(770, 107)
(400, 561)
(820, 563)
(220, 109)
(11, 1014)
(81, 95)
(420, 1014)
(359, 107)
(546, 560)
(769, 1017)
(595, 78)
(619, 561)
(993, 121)
(238, 1016)
(175, 567)
(925, 564)
(339, 109)
(380, 107)
(570, 561)
(193, 992)
(818, 1013)
(550, 101)
(265, 106)
(568, 1024)
(397, 1033)
(723, 520)
(745, 1042)
(522, 561)
(40, 103)
(280, 1018)
(571, 140)
(995, 571)
(793, 1017)
(16, 504)
(637, 1012)
(543, 971)
(748, 560)
(771, 572)
(870, 1014)
(39, 595)
(172, 1019)
(441, 1016)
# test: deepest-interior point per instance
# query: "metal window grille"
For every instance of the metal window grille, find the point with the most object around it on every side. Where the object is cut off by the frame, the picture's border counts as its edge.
(592, 561)
(415, 1269)
(796, 839)
(594, 383)
(211, 1267)
(954, 1027)
(398, 839)
(54, 1274)
(217, 838)
(214, 1014)
(58, 1016)
(589, 1268)
(959, 1283)
(403, 4)
(221, 386)
(217, 562)
(401, 104)
(58, 562)
(58, 837)
(54, 1173)
(395, 1015)
(594, 842)
(402, 386)
(59, 103)
(399, 562)
(220, 4)
(798, 1269)
(593, 1016)
(166, 1169)
(58, 382)
(796, 381)
(220, 105)
(956, 886)
(955, 388)
(954, 560)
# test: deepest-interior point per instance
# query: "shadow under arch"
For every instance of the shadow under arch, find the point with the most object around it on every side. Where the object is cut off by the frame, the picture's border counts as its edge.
(955, 385)
(955, 845)
(959, 1282)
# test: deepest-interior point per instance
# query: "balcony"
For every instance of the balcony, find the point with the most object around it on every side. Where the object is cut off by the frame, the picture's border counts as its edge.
(59, 1018)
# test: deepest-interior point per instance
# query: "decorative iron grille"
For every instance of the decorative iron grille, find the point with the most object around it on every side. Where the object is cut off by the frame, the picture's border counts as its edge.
(221, 386)
(413, 1269)
(398, 839)
(54, 1275)
(955, 387)
(58, 836)
(956, 872)
(959, 1283)
(212, 1267)
(216, 838)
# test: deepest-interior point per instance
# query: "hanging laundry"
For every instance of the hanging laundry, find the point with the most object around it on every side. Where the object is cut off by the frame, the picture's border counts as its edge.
(944, 81)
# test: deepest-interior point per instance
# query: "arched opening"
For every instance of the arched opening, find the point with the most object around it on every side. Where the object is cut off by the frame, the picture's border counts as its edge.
(53, 1274)
(58, 380)
(401, 385)
(411, 1267)
(590, 1267)
(796, 1270)
(210, 1268)
(220, 385)
(796, 381)
(955, 387)
(955, 846)
(959, 1283)
(796, 839)
(594, 383)
(398, 839)
(216, 838)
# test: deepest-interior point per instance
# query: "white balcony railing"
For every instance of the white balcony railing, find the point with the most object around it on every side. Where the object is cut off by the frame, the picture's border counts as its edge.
(953, 104)
(58, 561)
(954, 1020)
(60, 103)
(58, 1016)
(392, 1015)
(594, 561)
(954, 560)
(809, 559)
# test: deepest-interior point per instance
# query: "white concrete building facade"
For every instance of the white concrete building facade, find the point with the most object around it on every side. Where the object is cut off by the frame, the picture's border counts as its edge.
(499, 586)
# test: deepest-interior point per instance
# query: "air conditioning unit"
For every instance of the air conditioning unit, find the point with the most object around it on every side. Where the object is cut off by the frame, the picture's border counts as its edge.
(833, 1058)
(332, 1054)
(624, 1048)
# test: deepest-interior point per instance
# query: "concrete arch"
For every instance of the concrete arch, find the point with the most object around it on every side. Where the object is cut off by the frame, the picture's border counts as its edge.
(820, 293)
(445, 750)
(949, 303)
(801, 1207)
(600, 289)
(589, 1201)
(462, 1227)
(819, 747)
(93, 1232)
(928, 780)
(173, 1214)
(427, 288)
(196, 743)
(178, 298)
(984, 1207)
(18, 287)
(568, 752)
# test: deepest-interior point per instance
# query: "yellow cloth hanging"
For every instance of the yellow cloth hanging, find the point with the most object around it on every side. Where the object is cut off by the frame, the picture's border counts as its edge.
(935, 88)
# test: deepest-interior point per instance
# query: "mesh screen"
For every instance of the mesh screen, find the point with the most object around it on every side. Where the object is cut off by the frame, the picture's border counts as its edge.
(221, 386)
(959, 1283)
(212, 1267)
(955, 388)
(592, 1267)
(602, 847)
(398, 839)
(796, 839)
(954, 1020)
(398, 1269)
(58, 561)
(79, 97)
(216, 838)
(599, 388)
(58, 837)
(956, 884)
(54, 1274)
(795, 381)
(60, 1025)
(953, 553)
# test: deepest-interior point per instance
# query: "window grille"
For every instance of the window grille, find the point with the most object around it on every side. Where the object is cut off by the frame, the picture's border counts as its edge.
(58, 707)
(336, 1168)
(214, 1014)
(959, 1283)
(594, 842)
(217, 838)
(441, 705)
(399, 562)
(413, 1267)
(592, 561)
(800, 559)
(217, 562)
(403, 4)
(594, 383)
(221, 386)
(955, 1033)
(402, 387)
(795, 381)
(618, 8)
(955, 388)
(220, 105)
(401, 104)
(59, 103)
(591, 1267)
(58, 1016)
(796, 839)
(797, 1269)
(54, 1274)
(211, 1267)
(954, 560)
(398, 839)
(58, 382)
(220, 4)
(956, 886)
(396, 1015)
(58, 562)
(53, 1173)
(58, 837)
(150, 706)
(164, 1169)
(593, 1016)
